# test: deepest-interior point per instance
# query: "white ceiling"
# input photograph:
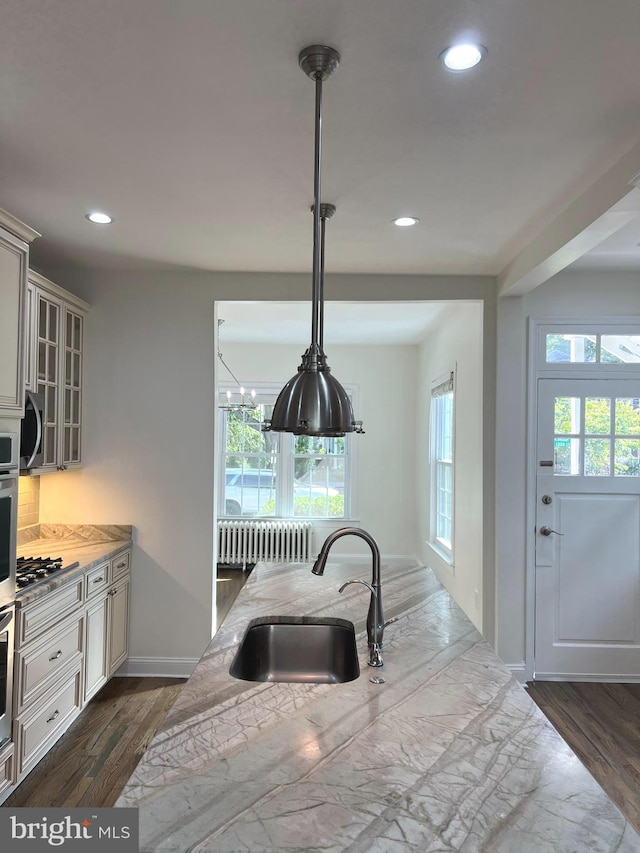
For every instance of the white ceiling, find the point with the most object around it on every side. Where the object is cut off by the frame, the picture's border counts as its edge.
(192, 124)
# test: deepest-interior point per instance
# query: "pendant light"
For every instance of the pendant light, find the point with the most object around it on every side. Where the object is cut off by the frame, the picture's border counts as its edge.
(313, 402)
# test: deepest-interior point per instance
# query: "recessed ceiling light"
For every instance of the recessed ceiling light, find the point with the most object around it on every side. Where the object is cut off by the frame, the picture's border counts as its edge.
(462, 57)
(405, 221)
(99, 217)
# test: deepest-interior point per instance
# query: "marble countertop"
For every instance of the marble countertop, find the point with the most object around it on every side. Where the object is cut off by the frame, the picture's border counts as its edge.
(450, 754)
(81, 547)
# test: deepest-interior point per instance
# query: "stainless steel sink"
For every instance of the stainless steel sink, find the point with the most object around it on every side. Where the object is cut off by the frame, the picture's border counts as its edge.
(297, 649)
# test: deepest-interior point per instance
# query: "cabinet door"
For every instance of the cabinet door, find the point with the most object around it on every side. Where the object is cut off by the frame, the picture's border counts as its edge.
(119, 619)
(29, 335)
(71, 402)
(48, 325)
(13, 286)
(96, 663)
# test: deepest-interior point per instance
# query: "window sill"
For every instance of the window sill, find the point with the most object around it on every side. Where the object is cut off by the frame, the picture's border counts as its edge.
(445, 556)
(320, 519)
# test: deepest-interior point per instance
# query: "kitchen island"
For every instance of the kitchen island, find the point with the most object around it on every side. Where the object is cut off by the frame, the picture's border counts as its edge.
(449, 754)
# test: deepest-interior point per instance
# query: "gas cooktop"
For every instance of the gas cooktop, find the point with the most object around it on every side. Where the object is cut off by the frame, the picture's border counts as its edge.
(33, 570)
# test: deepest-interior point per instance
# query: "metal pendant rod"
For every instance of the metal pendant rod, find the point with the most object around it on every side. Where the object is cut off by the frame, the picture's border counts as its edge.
(317, 236)
(323, 223)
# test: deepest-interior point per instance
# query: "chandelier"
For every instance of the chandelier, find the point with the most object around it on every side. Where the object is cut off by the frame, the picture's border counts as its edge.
(246, 402)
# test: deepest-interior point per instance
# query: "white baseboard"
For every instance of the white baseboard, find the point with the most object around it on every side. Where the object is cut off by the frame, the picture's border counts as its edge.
(518, 671)
(158, 667)
(578, 676)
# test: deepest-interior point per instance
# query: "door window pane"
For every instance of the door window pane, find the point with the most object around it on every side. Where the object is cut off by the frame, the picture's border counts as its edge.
(597, 454)
(566, 456)
(627, 416)
(76, 332)
(567, 415)
(597, 416)
(627, 457)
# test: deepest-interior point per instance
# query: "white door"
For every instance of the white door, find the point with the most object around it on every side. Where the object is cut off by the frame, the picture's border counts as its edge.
(587, 600)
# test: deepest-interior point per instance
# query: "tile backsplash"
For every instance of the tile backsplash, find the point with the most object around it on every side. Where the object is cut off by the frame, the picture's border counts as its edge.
(28, 501)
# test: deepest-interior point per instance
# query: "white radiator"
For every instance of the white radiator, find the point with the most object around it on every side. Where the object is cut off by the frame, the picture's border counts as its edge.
(274, 541)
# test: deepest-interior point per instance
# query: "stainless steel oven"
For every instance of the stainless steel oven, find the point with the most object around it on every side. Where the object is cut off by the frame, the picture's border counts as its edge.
(7, 628)
(9, 461)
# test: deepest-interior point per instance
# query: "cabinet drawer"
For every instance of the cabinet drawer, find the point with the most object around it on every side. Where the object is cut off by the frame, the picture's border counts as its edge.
(35, 618)
(38, 664)
(37, 728)
(119, 565)
(96, 580)
(7, 766)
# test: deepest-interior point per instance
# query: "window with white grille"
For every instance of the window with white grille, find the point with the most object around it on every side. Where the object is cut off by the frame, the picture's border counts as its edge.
(442, 467)
(279, 475)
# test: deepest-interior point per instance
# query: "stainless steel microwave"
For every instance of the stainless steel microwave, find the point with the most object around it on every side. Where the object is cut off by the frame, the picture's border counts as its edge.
(32, 432)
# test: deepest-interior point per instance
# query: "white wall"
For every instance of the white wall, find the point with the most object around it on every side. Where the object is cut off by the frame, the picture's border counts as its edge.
(149, 414)
(569, 294)
(456, 344)
(385, 468)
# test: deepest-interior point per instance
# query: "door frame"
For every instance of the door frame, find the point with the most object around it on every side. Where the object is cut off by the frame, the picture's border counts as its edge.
(537, 368)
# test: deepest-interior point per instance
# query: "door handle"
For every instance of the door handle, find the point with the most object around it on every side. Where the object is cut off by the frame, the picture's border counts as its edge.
(547, 531)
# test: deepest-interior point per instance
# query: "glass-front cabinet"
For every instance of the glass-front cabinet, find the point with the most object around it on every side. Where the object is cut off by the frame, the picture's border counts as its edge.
(56, 350)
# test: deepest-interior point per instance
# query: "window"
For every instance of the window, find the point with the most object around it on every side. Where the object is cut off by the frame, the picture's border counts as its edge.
(591, 347)
(442, 468)
(278, 475)
(596, 436)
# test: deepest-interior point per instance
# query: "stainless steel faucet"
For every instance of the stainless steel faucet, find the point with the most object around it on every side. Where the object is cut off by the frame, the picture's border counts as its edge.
(375, 616)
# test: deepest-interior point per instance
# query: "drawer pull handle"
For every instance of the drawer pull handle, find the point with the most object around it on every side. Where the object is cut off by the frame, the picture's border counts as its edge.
(57, 655)
(121, 565)
(98, 580)
(56, 714)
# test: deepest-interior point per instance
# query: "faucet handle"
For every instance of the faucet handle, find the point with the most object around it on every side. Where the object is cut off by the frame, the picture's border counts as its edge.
(364, 583)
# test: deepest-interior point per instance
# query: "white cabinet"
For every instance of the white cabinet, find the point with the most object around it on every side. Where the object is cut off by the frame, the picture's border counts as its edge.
(107, 621)
(68, 644)
(55, 364)
(96, 662)
(7, 767)
(15, 237)
(119, 624)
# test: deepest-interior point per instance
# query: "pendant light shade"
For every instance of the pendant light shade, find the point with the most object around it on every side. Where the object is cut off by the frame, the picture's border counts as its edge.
(313, 402)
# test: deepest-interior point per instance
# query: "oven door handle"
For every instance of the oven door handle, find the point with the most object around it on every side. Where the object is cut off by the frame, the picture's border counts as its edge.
(36, 411)
(5, 621)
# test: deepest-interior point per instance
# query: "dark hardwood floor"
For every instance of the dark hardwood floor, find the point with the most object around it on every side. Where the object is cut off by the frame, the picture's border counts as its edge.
(601, 723)
(91, 762)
